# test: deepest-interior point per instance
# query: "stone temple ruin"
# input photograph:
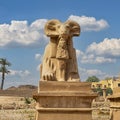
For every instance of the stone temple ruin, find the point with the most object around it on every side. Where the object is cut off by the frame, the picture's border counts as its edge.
(61, 95)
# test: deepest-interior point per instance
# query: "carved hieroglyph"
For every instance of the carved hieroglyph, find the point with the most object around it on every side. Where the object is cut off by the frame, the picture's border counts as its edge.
(59, 61)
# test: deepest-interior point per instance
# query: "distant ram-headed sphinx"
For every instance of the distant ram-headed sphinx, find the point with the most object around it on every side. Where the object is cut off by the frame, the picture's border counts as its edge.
(59, 61)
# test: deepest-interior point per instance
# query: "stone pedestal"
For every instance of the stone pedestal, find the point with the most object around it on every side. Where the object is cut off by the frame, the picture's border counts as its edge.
(64, 100)
(115, 105)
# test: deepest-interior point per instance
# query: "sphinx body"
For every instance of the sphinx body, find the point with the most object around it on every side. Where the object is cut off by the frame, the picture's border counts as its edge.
(59, 60)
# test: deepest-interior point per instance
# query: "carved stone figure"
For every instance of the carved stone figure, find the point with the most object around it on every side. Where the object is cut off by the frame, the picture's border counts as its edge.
(59, 61)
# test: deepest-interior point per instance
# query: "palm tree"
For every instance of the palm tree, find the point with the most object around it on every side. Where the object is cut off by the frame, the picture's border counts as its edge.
(3, 70)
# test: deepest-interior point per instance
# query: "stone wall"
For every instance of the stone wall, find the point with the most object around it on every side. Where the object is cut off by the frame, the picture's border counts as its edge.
(101, 110)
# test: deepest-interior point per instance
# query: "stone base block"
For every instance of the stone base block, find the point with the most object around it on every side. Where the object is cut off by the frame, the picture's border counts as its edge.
(64, 86)
(67, 99)
(64, 114)
(64, 100)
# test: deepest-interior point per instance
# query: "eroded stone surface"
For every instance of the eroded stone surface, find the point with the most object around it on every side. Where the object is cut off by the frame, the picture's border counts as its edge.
(101, 110)
(59, 61)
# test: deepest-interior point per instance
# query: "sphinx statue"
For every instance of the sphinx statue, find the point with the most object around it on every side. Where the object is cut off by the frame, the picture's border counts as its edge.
(59, 60)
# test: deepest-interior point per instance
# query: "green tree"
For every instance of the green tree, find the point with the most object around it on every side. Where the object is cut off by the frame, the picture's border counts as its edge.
(3, 70)
(92, 79)
(109, 91)
(99, 91)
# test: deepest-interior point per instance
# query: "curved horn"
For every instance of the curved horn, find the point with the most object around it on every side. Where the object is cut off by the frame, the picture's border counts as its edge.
(75, 27)
(51, 27)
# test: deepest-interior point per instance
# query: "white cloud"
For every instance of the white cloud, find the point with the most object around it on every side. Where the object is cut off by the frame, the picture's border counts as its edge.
(19, 33)
(38, 67)
(107, 51)
(20, 77)
(79, 53)
(85, 73)
(91, 58)
(104, 60)
(108, 47)
(89, 23)
(19, 73)
(38, 56)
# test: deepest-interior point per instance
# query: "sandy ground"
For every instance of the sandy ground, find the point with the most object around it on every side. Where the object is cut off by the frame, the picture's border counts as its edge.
(10, 99)
(20, 114)
(13, 113)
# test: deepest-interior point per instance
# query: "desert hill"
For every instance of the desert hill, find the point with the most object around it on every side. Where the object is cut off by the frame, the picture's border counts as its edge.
(20, 91)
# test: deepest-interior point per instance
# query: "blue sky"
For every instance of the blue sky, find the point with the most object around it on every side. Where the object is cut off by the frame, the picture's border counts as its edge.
(22, 38)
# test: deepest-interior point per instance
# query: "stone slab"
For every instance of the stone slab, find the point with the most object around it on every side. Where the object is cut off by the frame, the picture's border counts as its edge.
(67, 99)
(64, 86)
(65, 114)
(65, 93)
